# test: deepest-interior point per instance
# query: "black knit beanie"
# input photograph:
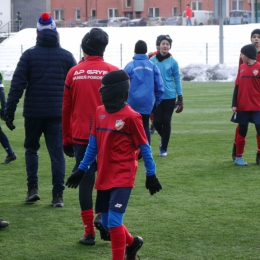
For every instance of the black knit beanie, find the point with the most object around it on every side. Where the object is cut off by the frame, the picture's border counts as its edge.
(167, 38)
(140, 47)
(94, 42)
(255, 31)
(114, 93)
(158, 40)
(249, 51)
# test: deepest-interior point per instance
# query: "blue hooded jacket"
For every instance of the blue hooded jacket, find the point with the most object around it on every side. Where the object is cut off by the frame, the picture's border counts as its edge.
(146, 84)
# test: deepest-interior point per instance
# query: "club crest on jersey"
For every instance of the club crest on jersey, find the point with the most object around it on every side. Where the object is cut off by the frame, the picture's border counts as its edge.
(119, 124)
(255, 72)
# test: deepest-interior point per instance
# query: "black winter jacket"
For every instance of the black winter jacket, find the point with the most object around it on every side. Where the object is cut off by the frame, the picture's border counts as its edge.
(41, 72)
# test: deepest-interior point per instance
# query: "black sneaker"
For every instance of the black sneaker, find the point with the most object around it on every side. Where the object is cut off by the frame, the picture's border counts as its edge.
(57, 200)
(104, 234)
(234, 150)
(3, 224)
(9, 159)
(32, 194)
(131, 251)
(88, 240)
(257, 159)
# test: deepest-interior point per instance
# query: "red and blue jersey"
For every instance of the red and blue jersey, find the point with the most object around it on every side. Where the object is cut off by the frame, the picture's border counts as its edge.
(118, 136)
(248, 81)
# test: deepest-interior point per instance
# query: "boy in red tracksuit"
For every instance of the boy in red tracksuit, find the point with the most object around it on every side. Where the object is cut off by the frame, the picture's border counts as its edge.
(255, 39)
(80, 101)
(116, 137)
(246, 101)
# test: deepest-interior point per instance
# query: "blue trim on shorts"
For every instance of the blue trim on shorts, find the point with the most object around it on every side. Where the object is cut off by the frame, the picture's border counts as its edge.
(115, 199)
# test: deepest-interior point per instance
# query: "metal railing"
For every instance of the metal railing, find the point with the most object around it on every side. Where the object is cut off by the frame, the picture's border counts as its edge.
(10, 27)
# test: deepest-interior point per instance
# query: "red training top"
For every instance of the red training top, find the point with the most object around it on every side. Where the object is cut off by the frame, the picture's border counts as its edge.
(81, 99)
(122, 132)
(248, 97)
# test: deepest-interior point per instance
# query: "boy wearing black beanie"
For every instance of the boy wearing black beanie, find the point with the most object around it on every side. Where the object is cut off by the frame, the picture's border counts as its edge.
(246, 102)
(255, 39)
(117, 135)
(80, 101)
(146, 85)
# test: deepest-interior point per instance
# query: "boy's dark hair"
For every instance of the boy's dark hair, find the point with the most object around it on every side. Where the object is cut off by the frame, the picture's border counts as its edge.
(18, 13)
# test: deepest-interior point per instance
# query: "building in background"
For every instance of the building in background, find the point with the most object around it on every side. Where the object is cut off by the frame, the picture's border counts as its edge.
(30, 10)
(74, 13)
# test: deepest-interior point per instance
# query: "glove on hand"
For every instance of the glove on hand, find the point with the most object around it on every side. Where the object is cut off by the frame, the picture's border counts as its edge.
(9, 122)
(75, 178)
(68, 150)
(180, 100)
(152, 184)
(179, 104)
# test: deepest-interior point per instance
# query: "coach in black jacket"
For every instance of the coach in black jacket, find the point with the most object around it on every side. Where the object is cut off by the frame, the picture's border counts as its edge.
(41, 73)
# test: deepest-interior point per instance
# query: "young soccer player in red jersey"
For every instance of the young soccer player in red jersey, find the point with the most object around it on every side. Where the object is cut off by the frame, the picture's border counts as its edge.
(116, 137)
(246, 101)
(80, 101)
(255, 39)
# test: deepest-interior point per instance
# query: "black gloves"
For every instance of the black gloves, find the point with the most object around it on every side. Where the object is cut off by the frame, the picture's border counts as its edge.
(152, 184)
(9, 122)
(179, 104)
(180, 100)
(75, 178)
(68, 150)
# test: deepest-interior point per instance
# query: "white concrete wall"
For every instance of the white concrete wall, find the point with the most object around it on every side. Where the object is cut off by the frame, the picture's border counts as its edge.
(5, 12)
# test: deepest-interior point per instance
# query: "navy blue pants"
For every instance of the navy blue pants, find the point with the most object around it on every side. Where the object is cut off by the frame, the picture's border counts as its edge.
(5, 143)
(52, 131)
(87, 183)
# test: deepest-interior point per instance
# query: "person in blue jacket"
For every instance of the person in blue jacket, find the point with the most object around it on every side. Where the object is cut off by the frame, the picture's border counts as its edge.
(146, 85)
(41, 73)
(172, 89)
(11, 156)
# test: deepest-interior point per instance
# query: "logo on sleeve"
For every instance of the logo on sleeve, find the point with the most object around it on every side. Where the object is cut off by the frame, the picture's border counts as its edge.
(255, 72)
(119, 124)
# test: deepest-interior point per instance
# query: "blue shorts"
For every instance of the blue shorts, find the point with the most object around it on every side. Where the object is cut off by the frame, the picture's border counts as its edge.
(246, 117)
(115, 199)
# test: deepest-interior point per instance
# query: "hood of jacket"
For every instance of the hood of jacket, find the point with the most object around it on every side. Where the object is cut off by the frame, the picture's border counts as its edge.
(48, 38)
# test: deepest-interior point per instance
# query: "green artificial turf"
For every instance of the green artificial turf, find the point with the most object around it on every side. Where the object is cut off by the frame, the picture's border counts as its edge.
(208, 208)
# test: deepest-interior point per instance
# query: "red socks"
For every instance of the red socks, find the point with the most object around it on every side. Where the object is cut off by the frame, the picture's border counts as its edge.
(129, 237)
(88, 221)
(240, 145)
(236, 133)
(118, 242)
